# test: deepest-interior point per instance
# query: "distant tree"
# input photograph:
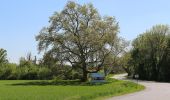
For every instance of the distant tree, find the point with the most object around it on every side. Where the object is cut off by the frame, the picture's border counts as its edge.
(49, 60)
(3, 56)
(80, 36)
(113, 63)
(27, 61)
(126, 62)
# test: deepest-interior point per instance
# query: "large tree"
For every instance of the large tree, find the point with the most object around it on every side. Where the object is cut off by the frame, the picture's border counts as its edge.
(150, 54)
(78, 35)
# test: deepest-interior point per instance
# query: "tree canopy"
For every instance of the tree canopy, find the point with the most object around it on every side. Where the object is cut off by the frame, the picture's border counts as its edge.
(79, 35)
(151, 54)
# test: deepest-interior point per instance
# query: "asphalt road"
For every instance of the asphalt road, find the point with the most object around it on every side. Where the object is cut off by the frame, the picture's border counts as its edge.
(153, 91)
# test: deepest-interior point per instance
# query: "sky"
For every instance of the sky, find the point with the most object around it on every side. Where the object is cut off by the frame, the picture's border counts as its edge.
(21, 20)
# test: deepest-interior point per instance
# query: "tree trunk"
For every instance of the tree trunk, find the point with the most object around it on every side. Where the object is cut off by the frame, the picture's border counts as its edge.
(84, 78)
(105, 71)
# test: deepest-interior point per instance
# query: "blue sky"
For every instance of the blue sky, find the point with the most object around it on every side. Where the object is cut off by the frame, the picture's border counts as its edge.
(21, 20)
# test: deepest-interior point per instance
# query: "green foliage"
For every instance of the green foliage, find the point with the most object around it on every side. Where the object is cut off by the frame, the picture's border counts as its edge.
(7, 71)
(49, 60)
(127, 64)
(3, 56)
(44, 73)
(150, 54)
(79, 35)
(27, 70)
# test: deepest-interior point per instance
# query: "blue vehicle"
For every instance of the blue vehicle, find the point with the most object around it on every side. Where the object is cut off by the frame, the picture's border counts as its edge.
(96, 78)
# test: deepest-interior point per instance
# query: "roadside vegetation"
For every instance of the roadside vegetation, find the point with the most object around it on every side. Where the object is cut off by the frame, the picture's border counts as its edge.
(150, 55)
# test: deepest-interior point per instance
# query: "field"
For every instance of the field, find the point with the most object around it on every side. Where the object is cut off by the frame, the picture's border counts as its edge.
(50, 90)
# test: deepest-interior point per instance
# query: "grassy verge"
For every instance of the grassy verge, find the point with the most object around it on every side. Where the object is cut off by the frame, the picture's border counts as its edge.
(63, 90)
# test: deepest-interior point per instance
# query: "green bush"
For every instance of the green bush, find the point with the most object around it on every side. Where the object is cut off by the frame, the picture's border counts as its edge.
(29, 73)
(6, 71)
(44, 73)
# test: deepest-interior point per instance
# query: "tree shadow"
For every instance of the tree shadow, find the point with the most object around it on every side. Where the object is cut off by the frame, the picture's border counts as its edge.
(58, 83)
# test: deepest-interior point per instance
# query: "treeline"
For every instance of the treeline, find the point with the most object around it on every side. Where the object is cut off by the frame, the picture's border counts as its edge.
(150, 55)
(34, 72)
(30, 69)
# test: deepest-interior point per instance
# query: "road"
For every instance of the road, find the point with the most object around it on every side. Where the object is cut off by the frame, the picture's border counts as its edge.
(153, 91)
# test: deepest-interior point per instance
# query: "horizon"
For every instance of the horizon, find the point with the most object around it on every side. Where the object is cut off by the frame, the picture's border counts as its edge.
(21, 20)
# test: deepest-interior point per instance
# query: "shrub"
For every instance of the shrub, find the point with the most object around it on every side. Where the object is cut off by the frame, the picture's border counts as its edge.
(7, 70)
(44, 73)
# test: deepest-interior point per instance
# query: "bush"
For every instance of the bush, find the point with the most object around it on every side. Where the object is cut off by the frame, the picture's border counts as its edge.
(7, 70)
(73, 75)
(29, 73)
(44, 73)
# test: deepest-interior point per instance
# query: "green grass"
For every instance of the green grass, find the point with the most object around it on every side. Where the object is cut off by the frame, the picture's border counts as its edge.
(62, 90)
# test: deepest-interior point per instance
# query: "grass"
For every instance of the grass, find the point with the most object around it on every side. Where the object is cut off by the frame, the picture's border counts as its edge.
(63, 90)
